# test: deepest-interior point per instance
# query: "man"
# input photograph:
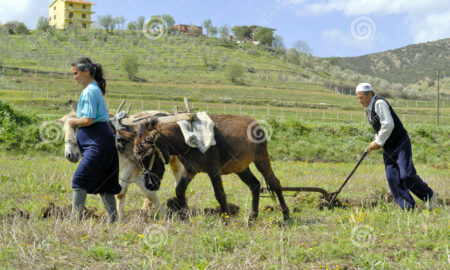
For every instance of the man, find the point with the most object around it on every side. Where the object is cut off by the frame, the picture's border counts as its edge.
(393, 138)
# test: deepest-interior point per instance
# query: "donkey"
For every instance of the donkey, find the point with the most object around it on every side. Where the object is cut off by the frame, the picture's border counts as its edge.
(235, 149)
(131, 171)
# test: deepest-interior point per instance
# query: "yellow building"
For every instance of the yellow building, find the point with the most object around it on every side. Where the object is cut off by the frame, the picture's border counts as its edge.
(64, 13)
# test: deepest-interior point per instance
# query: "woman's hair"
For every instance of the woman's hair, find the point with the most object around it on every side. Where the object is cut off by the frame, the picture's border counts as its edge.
(95, 70)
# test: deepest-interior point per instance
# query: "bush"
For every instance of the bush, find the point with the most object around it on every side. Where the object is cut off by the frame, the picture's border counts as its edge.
(234, 71)
(131, 65)
(42, 24)
(21, 28)
(19, 131)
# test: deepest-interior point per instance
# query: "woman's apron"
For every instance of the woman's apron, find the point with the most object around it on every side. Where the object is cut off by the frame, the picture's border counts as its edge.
(98, 171)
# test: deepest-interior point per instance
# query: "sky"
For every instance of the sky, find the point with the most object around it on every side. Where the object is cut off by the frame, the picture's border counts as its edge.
(330, 27)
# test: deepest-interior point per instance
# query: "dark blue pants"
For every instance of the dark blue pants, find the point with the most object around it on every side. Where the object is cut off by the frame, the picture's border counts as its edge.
(402, 176)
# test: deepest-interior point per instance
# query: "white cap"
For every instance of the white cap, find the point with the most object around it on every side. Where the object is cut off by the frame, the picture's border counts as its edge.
(364, 87)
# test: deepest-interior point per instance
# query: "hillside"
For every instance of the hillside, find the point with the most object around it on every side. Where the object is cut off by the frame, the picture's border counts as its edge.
(405, 65)
(273, 83)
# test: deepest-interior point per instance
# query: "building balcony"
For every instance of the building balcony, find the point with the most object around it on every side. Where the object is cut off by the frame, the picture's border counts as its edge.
(80, 10)
(82, 20)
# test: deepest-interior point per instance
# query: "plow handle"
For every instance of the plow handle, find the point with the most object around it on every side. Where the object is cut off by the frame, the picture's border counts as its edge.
(348, 177)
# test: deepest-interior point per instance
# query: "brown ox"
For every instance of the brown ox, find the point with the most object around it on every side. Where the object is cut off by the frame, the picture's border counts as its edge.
(235, 149)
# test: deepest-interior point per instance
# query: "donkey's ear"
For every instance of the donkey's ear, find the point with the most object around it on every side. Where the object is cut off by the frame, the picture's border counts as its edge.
(73, 105)
(127, 135)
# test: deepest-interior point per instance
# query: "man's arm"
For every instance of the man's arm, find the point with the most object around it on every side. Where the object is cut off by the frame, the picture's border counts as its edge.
(387, 125)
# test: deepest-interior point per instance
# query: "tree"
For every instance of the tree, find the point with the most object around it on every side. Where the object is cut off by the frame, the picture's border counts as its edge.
(140, 23)
(132, 26)
(21, 28)
(120, 20)
(278, 42)
(42, 24)
(293, 56)
(170, 22)
(264, 35)
(207, 24)
(302, 47)
(242, 32)
(234, 71)
(212, 31)
(130, 64)
(107, 22)
(224, 32)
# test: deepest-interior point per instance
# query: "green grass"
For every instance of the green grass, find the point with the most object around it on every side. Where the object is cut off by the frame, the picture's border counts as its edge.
(380, 237)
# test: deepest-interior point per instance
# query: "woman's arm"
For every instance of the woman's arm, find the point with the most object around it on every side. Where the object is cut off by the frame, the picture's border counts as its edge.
(80, 122)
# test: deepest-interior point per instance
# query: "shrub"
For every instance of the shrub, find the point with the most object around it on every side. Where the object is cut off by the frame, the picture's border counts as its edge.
(131, 65)
(234, 71)
(21, 28)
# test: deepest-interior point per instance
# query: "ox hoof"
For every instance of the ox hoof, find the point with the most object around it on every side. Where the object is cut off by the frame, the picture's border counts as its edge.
(174, 205)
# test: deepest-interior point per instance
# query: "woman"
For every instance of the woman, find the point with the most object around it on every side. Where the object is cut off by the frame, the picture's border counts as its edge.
(98, 171)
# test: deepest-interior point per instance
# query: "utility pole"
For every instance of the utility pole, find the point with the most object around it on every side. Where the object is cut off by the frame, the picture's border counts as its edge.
(437, 99)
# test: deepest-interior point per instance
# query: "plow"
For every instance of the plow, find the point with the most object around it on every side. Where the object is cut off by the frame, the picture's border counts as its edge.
(330, 199)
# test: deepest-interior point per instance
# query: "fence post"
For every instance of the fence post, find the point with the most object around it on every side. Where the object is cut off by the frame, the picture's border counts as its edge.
(207, 107)
(142, 104)
(159, 105)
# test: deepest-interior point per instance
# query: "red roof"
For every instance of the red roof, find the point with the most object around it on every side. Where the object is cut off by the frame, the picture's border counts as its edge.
(80, 2)
(74, 1)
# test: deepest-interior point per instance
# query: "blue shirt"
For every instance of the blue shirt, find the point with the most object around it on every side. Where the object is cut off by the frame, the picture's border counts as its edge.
(92, 105)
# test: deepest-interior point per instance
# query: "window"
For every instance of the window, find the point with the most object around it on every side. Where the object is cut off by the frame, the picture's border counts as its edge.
(54, 8)
(70, 23)
(84, 6)
(70, 15)
(83, 16)
(54, 17)
(70, 5)
(84, 25)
